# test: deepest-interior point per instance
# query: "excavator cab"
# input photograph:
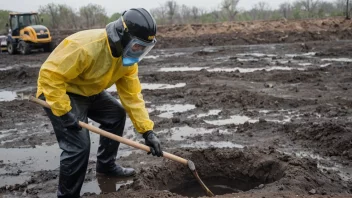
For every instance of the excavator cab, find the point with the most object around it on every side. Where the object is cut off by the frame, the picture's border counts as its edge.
(26, 33)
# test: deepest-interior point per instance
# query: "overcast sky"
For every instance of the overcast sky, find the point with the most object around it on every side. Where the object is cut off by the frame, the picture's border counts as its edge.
(113, 6)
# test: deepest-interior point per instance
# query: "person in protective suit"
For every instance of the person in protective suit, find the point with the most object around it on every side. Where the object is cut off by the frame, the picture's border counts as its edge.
(73, 80)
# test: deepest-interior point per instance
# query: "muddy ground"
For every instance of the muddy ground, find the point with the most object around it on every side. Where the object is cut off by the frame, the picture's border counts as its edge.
(270, 120)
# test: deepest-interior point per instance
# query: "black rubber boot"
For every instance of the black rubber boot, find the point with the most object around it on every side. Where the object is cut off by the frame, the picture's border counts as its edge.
(116, 171)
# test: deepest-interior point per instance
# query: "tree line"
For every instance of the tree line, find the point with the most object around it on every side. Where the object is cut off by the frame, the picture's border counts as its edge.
(228, 10)
(62, 16)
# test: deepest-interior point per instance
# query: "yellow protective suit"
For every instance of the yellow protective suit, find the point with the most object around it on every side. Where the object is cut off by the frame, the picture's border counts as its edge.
(82, 64)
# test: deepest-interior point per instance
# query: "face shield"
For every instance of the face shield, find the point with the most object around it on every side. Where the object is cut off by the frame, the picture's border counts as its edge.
(136, 49)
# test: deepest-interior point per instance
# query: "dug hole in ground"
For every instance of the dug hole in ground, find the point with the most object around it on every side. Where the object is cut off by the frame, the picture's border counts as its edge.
(261, 114)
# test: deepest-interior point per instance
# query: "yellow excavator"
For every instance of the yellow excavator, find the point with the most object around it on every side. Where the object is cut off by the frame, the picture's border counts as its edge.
(25, 34)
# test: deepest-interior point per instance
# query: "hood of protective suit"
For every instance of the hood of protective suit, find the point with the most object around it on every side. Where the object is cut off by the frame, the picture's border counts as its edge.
(114, 31)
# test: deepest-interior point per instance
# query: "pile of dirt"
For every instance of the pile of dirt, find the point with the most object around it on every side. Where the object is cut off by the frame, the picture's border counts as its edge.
(227, 171)
(249, 27)
(241, 33)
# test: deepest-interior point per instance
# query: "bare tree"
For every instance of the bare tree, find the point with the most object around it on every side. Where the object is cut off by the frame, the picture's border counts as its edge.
(53, 11)
(343, 7)
(185, 13)
(195, 14)
(261, 10)
(68, 16)
(348, 10)
(160, 14)
(86, 14)
(310, 6)
(94, 15)
(74, 19)
(229, 7)
(172, 9)
(325, 8)
(285, 9)
(340, 5)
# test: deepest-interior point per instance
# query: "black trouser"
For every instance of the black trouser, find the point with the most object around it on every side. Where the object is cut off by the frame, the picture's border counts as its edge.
(108, 112)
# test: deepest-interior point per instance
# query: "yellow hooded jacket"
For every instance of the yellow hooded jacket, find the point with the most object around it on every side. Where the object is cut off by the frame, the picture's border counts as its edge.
(82, 64)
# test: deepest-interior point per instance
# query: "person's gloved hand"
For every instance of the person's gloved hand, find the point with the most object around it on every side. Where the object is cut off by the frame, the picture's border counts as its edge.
(70, 121)
(153, 142)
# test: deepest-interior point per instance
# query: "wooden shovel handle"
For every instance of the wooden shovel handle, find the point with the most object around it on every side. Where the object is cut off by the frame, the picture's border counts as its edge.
(116, 137)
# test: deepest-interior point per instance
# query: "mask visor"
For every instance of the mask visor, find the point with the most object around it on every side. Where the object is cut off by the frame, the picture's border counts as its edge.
(137, 49)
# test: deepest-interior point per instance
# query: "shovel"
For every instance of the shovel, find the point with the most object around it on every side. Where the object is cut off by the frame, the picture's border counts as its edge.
(137, 145)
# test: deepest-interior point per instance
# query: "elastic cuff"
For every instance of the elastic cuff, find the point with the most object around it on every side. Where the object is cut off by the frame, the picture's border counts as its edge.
(146, 134)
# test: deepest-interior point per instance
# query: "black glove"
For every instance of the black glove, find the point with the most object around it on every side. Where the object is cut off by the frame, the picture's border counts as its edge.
(153, 142)
(70, 121)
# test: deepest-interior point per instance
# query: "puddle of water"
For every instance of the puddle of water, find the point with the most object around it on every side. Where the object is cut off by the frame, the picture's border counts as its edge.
(174, 69)
(248, 70)
(248, 59)
(242, 70)
(259, 55)
(204, 144)
(325, 65)
(6, 68)
(286, 119)
(304, 154)
(17, 65)
(171, 109)
(305, 64)
(306, 54)
(338, 59)
(151, 57)
(11, 180)
(211, 49)
(152, 86)
(233, 120)
(264, 111)
(5, 133)
(104, 185)
(174, 54)
(36, 159)
(283, 117)
(222, 59)
(283, 61)
(7, 96)
(13, 95)
(162, 86)
(48, 157)
(202, 115)
(180, 133)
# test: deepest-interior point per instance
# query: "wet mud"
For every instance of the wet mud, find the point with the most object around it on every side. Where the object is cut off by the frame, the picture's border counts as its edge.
(271, 120)
(228, 171)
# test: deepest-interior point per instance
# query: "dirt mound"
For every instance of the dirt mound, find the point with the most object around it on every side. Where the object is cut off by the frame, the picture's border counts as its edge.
(239, 33)
(313, 25)
(334, 135)
(227, 171)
